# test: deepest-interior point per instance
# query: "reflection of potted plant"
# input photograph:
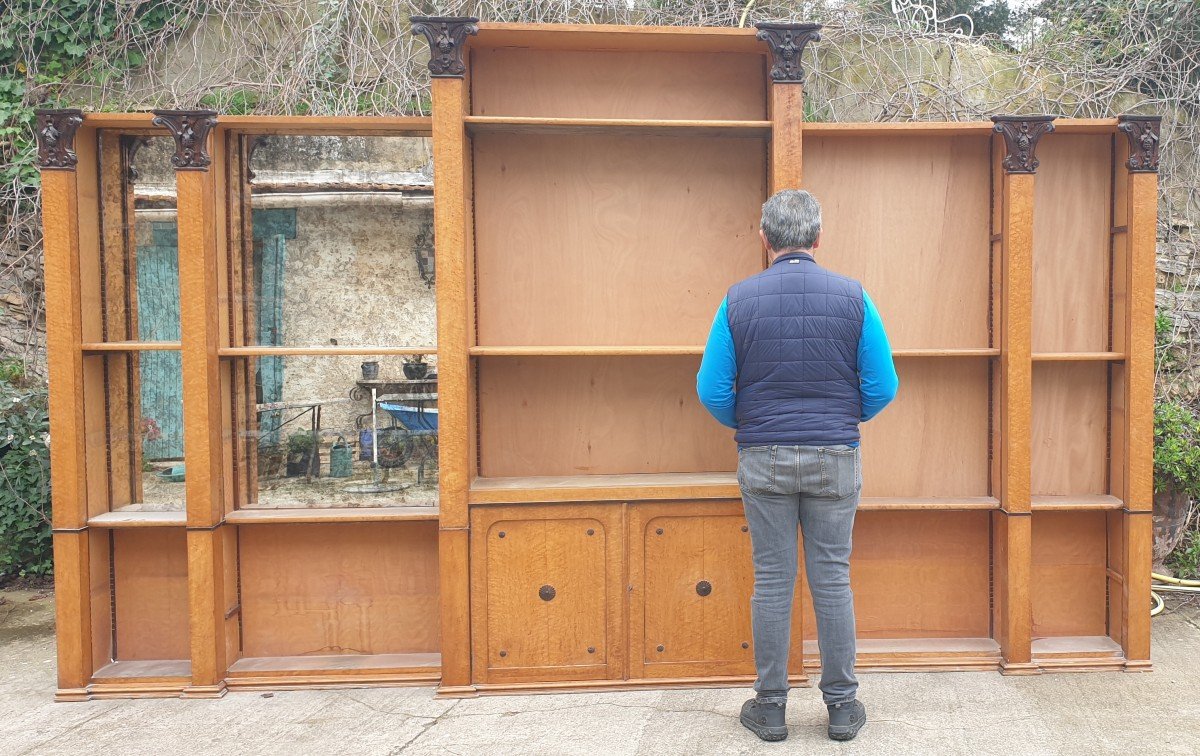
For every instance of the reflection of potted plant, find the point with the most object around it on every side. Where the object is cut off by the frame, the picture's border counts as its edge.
(370, 370)
(271, 457)
(415, 367)
(300, 448)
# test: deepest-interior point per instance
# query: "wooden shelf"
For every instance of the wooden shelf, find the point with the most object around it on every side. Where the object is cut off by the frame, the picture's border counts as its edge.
(949, 129)
(1078, 356)
(132, 346)
(330, 351)
(128, 519)
(616, 126)
(333, 664)
(581, 351)
(1083, 502)
(640, 487)
(157, 669)
(338, 514)
(919, 653)
(616, 37)
(618, 351)
(665, 486)
(912, 353)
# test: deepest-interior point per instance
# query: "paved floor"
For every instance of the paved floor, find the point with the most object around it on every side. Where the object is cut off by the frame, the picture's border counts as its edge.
(915, 713)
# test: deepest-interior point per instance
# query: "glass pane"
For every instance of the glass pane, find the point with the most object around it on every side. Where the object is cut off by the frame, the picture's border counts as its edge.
(137, 274)
(133, 403)
(346, 431)
(339, 245)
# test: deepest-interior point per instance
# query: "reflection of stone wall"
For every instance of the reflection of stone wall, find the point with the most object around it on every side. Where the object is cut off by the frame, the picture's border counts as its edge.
(351, 276)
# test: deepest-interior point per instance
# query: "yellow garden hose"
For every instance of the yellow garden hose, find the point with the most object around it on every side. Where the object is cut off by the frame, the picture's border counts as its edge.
(1175, 581)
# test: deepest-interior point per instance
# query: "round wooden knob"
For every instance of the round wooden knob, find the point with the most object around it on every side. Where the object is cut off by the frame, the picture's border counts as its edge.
(591, 532)
(704, 587)
(503, 654)
(501, 533)
(745, 645)
(659, 531)
(591, 649)
(547, 592)
(662, 648)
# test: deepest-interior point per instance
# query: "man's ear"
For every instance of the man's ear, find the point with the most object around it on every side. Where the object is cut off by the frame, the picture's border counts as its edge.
(817, 241)
(763, 236)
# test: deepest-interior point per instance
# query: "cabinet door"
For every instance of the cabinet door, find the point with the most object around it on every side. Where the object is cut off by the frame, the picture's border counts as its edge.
(546, 593)
(692, 577)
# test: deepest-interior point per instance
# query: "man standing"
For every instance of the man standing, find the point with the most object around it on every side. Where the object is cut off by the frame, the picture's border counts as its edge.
(808, 354)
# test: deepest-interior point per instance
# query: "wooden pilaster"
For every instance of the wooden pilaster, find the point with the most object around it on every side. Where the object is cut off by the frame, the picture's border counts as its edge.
(1137, 492)
(455, 332)
(202, 421)
(57, 159)
(1012, 524)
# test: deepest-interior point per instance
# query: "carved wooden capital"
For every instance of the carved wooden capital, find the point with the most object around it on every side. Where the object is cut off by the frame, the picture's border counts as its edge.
(190, 129)
(446, 36)
(787, 42)
(1143, 133)
(1021, 135)
(56, 138)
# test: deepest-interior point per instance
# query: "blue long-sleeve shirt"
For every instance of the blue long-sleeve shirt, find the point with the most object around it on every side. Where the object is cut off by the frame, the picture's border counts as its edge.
(877, 380)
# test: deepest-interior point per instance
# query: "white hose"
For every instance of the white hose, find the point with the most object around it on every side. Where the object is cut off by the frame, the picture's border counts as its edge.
(1158, 604)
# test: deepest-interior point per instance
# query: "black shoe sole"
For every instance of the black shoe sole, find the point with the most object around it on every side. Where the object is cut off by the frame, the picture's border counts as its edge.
(769, 734)
(843, 734)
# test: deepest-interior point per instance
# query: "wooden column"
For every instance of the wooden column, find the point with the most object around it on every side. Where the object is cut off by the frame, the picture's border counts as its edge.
(58, 161)
(202, 443)
(1012, 531)
(785, 103)
(455, 331)
(1137, 334)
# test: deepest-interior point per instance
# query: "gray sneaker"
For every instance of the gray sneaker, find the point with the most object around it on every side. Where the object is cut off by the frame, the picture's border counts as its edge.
(846, 719)
(766, 720)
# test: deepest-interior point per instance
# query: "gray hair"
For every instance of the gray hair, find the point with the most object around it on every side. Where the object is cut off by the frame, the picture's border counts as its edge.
(791, 219)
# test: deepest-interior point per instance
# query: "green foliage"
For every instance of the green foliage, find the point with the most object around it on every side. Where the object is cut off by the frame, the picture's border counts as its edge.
(1184, 561)
(1176, 447)
(300, 443)
(25, 545)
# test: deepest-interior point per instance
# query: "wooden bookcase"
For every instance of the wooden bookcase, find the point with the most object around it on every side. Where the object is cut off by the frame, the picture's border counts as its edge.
(598, 191)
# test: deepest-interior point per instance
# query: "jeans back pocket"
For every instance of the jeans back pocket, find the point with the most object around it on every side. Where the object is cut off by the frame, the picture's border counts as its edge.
(756, 469)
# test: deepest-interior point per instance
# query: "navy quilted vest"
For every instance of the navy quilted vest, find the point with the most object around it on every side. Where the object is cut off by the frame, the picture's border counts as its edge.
(795, 330)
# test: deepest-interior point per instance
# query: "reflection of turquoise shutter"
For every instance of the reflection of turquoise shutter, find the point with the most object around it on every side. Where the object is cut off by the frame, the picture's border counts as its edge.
(158, 320)
(272, 229)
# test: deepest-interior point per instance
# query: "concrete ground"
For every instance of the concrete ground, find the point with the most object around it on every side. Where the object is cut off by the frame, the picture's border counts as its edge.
(913, 713)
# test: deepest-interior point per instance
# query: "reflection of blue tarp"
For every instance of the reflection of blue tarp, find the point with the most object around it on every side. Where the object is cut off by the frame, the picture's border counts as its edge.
(413, 418)
(161, 378)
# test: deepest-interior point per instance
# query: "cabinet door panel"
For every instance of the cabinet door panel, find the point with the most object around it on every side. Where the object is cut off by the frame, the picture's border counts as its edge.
(543, 594)
(698, 582)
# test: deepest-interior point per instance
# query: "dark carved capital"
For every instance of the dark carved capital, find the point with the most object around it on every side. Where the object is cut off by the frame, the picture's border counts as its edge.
(446, 36)
(1021, 135)
(56, 138)
(1143, 133)
(190, 129)
(787, 42)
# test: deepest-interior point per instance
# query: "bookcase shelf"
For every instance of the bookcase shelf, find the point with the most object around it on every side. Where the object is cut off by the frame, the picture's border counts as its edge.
(616, 126)
(634, 351)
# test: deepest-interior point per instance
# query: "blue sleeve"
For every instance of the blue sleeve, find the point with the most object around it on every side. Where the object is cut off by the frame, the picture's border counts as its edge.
(877, 380)
(718, 370)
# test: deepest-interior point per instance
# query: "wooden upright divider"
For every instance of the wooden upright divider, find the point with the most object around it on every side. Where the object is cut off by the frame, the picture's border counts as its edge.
(1012, 522)
(207, 536)
(453, 215)
(597, 192)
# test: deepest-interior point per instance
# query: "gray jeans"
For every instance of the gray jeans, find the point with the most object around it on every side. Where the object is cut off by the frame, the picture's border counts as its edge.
(817, 489)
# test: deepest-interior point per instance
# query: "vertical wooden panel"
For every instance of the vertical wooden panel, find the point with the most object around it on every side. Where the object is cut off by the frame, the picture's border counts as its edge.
(1069, 428)
(150, 587)
(72, 606)
(1070, 559)
(99, 559)
(1071, 244)
(786, 167)
(339, 588)
(452, 218)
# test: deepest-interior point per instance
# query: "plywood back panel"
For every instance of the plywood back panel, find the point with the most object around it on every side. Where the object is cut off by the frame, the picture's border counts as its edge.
(909, 218)
(596, 415)
(151, 594)
(1070, 425)
(918, 575)
(593, 240)
(342, 588)
(1071, 243)
(933, 440)
(1069, 590)
(584, 84)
